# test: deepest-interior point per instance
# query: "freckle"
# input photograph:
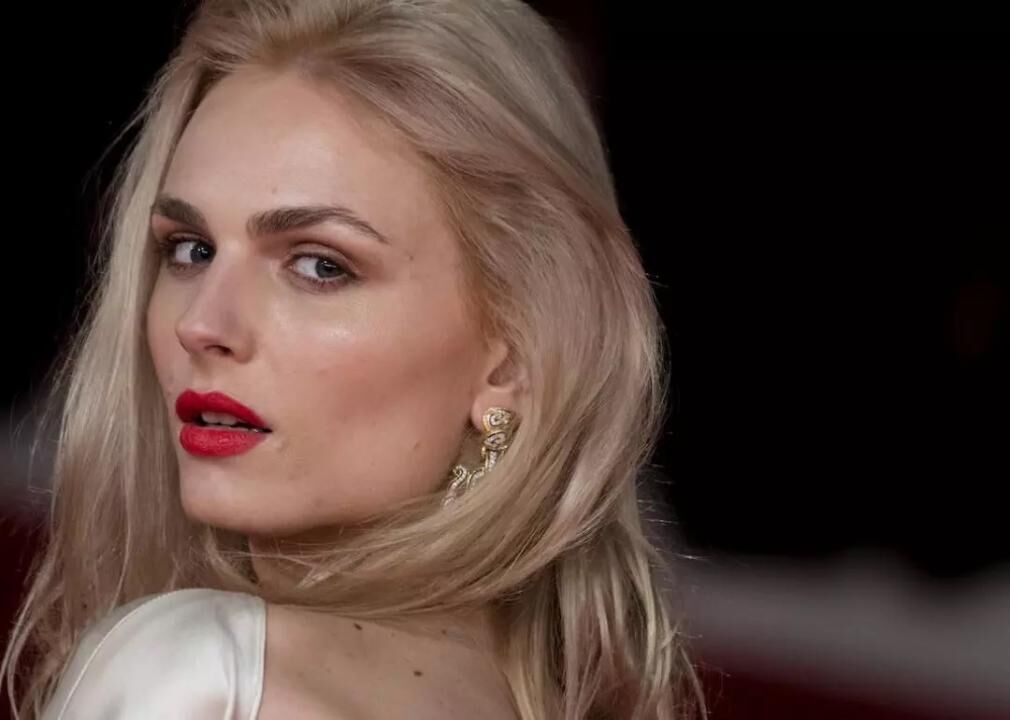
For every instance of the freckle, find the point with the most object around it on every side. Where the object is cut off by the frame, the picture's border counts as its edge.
(444, 632)
(357, 626)
(418, 673)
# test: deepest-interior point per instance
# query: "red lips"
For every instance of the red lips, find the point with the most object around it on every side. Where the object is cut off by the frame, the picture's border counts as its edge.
(217, 440)
(190, 404)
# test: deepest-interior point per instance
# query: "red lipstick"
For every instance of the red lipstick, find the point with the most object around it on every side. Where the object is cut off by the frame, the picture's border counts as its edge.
(197, 437)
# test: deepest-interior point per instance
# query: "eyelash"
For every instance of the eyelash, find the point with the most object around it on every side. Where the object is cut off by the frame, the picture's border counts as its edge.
(167, 246)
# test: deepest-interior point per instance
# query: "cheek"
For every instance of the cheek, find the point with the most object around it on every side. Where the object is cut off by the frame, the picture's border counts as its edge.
(385, 398)
(386, 343)
(375, 368)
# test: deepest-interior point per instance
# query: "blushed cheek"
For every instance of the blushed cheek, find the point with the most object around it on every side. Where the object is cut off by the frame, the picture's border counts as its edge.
(372, 390)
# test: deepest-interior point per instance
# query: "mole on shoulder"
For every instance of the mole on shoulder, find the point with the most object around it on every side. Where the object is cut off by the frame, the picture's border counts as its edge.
(418, 673)
(357, 626)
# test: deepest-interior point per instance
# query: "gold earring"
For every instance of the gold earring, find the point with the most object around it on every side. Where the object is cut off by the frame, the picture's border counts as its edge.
(498, 430)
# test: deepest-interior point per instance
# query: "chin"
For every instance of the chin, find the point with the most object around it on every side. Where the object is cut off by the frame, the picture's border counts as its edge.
(212, 501)
(246, 515)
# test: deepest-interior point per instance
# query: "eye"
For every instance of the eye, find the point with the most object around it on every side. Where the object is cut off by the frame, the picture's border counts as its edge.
(181, 251)
(320, 270)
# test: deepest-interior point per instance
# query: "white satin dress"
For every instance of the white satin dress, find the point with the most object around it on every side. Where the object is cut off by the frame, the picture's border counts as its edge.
(194, 654)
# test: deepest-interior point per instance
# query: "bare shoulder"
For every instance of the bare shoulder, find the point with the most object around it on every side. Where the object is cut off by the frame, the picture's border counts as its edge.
(343, 669)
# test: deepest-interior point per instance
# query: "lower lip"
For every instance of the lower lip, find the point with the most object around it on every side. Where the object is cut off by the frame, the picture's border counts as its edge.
(217, 442)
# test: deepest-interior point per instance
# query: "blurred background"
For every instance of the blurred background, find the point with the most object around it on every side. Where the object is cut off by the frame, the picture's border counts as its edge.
(824, 217)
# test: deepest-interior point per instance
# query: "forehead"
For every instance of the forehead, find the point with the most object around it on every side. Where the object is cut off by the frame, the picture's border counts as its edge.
(262, 139)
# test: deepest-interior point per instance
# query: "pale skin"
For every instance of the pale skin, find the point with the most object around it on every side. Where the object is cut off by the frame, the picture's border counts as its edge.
(368, 382)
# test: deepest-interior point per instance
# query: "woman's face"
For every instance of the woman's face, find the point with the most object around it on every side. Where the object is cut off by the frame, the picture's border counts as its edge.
(311, 276)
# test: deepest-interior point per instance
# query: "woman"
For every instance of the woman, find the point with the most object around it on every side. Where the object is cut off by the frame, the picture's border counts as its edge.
(354, 426)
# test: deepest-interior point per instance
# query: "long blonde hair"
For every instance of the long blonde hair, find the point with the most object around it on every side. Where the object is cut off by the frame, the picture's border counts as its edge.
(553, 538)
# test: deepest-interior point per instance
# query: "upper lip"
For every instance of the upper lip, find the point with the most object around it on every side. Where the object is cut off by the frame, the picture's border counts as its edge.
(190, 404)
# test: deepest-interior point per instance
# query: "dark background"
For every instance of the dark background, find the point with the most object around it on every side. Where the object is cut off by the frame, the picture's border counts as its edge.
(824, 216)
(830, 241)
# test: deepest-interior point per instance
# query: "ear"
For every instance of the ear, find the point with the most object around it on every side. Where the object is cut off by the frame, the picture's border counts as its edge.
(502, 383)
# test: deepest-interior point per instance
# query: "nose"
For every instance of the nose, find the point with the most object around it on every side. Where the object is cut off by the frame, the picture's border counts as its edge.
(217, 320)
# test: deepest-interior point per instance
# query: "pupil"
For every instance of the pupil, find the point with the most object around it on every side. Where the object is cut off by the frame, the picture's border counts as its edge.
(199, 252)
(327, 268)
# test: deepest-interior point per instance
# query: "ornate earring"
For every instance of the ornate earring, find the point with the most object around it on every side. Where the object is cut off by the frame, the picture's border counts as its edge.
(498, 430)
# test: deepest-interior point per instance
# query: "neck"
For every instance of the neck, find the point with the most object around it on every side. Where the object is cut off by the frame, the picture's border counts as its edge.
(474, 628)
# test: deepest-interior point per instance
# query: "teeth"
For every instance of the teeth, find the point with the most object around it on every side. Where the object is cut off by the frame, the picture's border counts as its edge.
(213, 418)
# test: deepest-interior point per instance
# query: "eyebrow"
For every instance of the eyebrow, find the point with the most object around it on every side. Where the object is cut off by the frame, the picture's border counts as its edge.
(274, 221)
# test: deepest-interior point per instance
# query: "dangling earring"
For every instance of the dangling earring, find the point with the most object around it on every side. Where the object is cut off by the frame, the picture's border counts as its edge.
(498, 429)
